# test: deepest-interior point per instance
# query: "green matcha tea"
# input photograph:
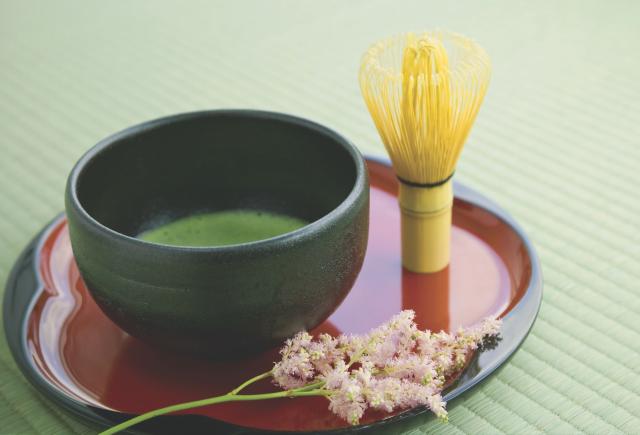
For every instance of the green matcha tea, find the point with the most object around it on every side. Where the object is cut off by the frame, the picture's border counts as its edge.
(222, 228)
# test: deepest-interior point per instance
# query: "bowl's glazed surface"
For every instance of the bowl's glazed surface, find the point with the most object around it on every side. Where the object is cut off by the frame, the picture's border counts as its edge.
(221, 300)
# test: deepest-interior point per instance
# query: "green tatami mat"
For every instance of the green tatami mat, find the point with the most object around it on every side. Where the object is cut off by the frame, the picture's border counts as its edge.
(556, 143)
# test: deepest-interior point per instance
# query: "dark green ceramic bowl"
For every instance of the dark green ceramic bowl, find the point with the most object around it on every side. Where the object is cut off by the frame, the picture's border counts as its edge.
(227, 300)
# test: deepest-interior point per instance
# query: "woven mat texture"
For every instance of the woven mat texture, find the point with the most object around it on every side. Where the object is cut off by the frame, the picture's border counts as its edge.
(556, 143)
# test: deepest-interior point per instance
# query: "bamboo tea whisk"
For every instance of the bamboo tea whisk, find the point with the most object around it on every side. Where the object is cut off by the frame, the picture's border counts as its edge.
(423, 93)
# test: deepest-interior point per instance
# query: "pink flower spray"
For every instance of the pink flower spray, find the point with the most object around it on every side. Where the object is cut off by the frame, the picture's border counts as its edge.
(395, 366)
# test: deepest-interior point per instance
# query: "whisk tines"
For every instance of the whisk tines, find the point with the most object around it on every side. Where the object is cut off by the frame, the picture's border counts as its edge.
(424, 92)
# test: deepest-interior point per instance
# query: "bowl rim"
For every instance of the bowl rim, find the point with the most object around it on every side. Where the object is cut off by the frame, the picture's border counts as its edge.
(359, 188)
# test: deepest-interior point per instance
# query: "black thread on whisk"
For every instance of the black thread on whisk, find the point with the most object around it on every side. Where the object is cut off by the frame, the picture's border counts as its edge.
(425, 185)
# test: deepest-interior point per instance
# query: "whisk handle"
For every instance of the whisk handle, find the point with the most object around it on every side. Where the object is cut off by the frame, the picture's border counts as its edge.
(426, 226)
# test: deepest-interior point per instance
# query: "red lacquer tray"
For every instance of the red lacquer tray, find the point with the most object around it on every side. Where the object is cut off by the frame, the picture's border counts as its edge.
(82, 361)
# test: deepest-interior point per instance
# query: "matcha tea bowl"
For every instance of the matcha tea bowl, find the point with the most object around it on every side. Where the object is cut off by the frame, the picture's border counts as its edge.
(219, 232)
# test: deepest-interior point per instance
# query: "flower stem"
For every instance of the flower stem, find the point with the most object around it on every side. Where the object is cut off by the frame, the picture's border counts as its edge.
(356, 358)
(211, 401)
(251, 381)
(309, 387)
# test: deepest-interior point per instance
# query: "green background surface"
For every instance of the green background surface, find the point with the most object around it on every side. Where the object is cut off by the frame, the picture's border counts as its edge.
(556, 144)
